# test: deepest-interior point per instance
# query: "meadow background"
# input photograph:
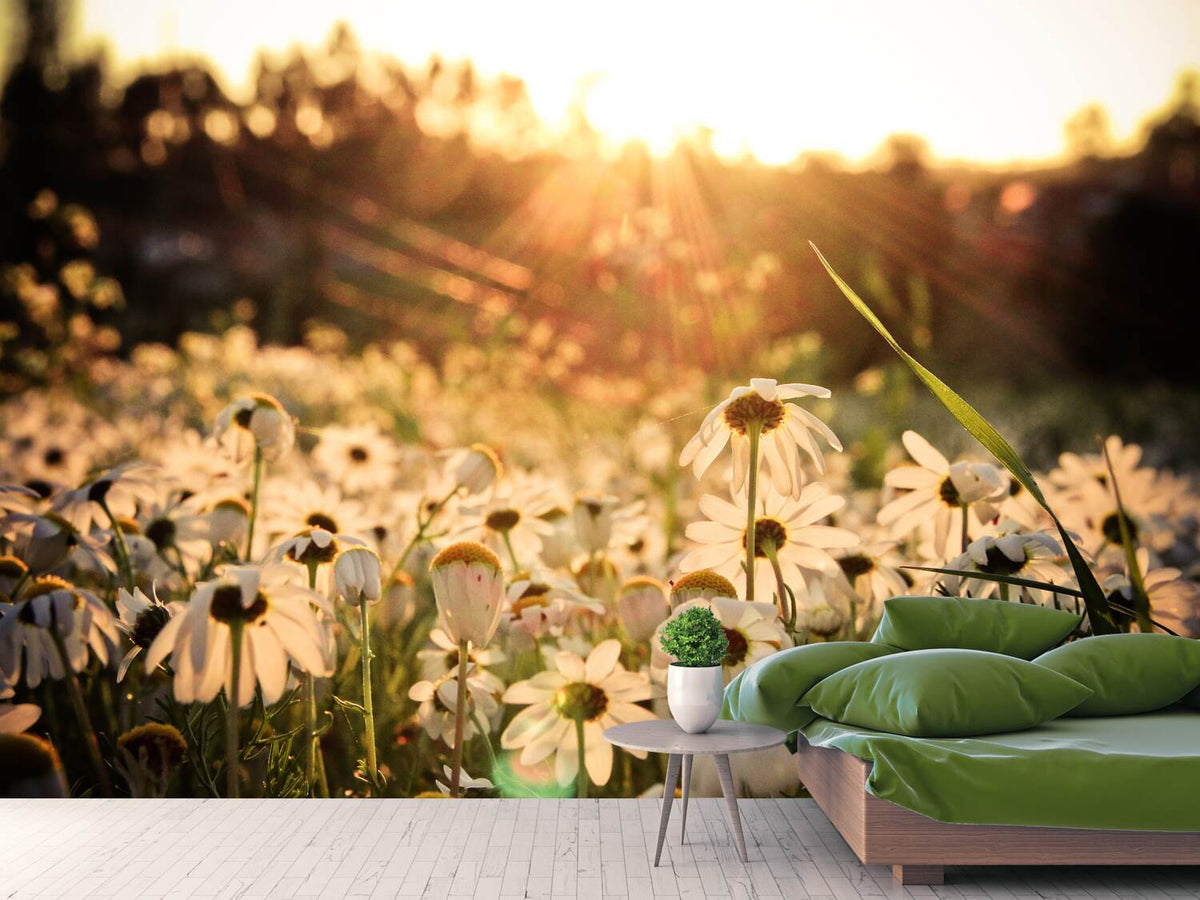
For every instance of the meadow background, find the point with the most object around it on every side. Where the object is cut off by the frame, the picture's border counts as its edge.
(407, 262)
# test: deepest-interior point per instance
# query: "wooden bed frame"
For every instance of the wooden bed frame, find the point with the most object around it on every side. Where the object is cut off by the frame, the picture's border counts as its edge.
(917, 847)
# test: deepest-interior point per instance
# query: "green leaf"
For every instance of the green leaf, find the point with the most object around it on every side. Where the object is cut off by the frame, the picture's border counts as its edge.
(983, 431)
(349, 704)
(1002, 579)
(1141, 599)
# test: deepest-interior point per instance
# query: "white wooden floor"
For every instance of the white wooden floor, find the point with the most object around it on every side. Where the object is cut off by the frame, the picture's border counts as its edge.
(477, 848)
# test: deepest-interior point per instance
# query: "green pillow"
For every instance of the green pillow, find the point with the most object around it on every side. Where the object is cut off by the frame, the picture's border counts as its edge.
(998, 626)
(1192, 699)
(945, 693)
(1128, 673)
(768, 692)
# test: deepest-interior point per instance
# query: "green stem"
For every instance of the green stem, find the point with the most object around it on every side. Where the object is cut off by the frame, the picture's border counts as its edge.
(232, 773)
(780, 587)
(1003, 591)
(581, 778)
(258, 467)
(487, 741)
(312, 746)
(511, 554)
(322, 779)
(86, 732)
(1141, 600)
(368, 705)
(423, 524)
(310, 732)
(460, 709)
(754, 431)
(123, 558)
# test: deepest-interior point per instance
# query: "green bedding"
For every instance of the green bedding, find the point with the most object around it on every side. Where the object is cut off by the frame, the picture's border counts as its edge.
(1120, 772)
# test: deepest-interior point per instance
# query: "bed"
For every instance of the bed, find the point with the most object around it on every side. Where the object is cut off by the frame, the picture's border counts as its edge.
(1116, 790)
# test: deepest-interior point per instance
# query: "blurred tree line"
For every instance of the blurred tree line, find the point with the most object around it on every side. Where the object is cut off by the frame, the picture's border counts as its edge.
(428, 203)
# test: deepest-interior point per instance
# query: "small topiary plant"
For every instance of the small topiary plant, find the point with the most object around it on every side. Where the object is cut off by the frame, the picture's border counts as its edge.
(695, 638)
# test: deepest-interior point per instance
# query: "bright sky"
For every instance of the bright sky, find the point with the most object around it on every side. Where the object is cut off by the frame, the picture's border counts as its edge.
(985, 80)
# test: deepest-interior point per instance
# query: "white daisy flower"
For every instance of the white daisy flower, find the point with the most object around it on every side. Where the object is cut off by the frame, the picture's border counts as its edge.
(510, 522)
(468, 587)
(257, 421)
(473, 469)
(1011, 551)
(440, 660)
(576, 695)
(942, 493)
(1174, 599)
(593, 518)
(360, 458)
(785, 526)
(120, 489)
(47, 541)
(438, 701)
(179, 530)
(545, 603)
(141, 618)
(275, 623)
(786, 429)
(290, 505)
(314, 545)
(50, 609)
(871, 573)
(466, 782)
(1088, 503)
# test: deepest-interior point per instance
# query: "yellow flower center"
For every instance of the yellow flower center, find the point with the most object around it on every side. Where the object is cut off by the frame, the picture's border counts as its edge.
(707, 581)
(233, 504)
(465, 552)
(1111, 528)
(39, 587)
(738, 647)
(750, 409)
(856, 565)
(312, 554)
(998, 562)
(532, 596)
(227, 605)
(163, 745)
(12, 567)
(161, 532)
(767, 531)
(642, 583)
(322, 520)
(149, 623)
(502, 520)
(581, 701)
(47, 584)
(949, 493)
(260, 402)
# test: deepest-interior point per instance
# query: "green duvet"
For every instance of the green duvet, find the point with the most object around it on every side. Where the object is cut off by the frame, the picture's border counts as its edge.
(1121, 772)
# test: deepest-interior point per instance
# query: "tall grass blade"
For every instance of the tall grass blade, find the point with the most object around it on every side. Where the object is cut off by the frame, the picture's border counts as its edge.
(1141, 600)
(1099, 613)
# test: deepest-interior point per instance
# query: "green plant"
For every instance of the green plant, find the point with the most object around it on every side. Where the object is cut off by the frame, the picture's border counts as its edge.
(695, 638)
(1098, 609)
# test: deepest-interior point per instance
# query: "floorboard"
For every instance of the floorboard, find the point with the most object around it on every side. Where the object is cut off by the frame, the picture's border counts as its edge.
(495, 849)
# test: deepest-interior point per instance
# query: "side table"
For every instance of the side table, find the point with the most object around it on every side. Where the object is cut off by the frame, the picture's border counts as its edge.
(724, 738)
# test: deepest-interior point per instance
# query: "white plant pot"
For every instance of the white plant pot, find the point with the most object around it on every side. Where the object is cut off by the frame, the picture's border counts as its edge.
(694, 695)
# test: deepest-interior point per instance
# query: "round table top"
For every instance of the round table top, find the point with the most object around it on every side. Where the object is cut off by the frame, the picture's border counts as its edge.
(664, 736)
